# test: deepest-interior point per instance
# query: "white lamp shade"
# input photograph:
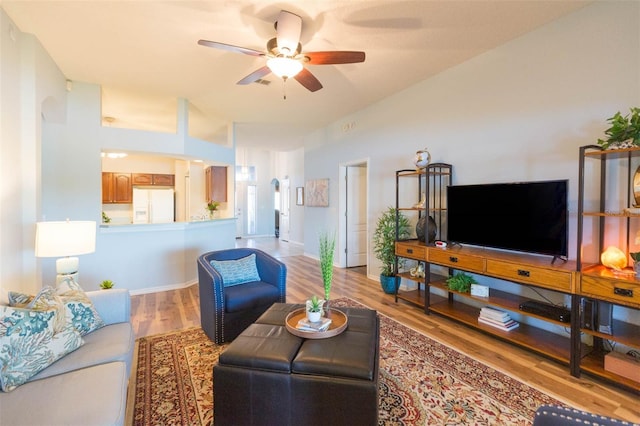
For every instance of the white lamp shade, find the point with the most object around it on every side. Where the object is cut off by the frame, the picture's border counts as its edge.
(58, 239)
(284, 67)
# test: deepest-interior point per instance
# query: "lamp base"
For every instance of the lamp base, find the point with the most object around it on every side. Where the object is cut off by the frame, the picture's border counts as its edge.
(67, 265)
(61, 278)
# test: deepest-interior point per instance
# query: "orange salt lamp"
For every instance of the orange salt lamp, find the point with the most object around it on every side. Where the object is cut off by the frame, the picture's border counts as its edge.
(614, 258)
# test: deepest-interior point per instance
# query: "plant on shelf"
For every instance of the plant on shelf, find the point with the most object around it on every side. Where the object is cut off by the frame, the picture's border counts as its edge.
(106, 284)
(460, 282)
(624, 131)
(212, 206)
(384, 245)
(105, 218)
(327, 249)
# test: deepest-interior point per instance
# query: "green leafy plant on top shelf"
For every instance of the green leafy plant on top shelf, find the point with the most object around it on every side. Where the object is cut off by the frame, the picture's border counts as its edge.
(106, 284)
(624, 131)
(384, 239)
(460, 282)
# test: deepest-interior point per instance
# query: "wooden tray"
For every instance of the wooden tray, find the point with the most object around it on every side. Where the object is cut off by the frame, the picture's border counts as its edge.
(338, 324)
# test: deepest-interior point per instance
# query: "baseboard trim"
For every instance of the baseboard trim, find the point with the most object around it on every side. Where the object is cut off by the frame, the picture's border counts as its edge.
(148, 290)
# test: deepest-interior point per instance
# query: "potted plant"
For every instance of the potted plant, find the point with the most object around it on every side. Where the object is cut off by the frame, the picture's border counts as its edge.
(314, 309)
(636, 262)
(106, 284)
(327, 249)
(212, 206)
(624, 131)
(105, 218)
(460, 282)
(384, 245)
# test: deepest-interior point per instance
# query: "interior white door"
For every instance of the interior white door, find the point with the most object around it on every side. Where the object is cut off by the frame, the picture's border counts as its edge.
(285, 198)
(356, 215)
(241, 207)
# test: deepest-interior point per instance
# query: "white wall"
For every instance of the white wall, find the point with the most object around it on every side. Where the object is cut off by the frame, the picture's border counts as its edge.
(32, 90)
(51, 170)
(516, 113)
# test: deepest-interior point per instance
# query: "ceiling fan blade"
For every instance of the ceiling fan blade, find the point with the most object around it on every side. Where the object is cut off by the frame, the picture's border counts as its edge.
(333, 57)
(230, 48)
(308, 80)
(288, 29)
(257, 74)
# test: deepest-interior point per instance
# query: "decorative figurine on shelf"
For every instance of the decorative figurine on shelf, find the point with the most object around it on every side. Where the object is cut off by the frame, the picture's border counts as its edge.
(422, 203)
(422, 159)
(417, 271)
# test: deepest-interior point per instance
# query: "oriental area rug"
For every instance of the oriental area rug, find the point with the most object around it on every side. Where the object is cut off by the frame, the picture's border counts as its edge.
(422, 382)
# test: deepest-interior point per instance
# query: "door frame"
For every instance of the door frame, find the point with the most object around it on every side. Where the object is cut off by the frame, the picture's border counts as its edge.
(342, 207)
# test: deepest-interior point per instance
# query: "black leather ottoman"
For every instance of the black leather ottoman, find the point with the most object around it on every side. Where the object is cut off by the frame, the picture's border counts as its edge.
(268, 376)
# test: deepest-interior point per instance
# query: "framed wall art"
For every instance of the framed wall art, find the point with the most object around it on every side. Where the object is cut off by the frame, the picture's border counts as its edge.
(299, 196)
(317, 191)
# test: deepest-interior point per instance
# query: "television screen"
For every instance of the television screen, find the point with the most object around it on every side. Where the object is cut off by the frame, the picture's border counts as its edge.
(522, 216)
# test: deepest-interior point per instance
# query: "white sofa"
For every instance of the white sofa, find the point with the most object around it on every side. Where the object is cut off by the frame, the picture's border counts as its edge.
(87, 386)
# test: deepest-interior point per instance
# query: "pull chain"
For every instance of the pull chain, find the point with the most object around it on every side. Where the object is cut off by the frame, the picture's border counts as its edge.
(284, 88)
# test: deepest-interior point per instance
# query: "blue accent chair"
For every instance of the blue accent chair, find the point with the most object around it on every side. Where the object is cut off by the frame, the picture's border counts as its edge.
(226, 311)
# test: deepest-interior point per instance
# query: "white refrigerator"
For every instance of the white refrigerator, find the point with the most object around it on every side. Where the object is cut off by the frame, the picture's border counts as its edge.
(153, 205)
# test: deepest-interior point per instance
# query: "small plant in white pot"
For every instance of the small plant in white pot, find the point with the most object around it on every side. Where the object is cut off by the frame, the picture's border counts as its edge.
(314, 309)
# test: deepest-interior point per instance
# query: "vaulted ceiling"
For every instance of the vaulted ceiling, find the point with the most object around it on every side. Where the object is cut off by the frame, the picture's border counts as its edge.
(148, 50)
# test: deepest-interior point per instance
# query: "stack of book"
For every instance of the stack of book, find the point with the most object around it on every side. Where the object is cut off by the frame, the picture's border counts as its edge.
(497, 318)
(305, 325)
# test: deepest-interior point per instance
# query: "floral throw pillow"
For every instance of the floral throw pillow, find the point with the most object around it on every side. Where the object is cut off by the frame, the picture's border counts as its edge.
(45, 300)
(78, 307)
(28, 344)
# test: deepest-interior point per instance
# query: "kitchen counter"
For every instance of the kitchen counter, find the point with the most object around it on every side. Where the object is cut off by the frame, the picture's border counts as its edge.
(153, 227)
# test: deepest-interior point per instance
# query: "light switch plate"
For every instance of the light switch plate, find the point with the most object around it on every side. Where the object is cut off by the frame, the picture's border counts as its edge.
(479, 290)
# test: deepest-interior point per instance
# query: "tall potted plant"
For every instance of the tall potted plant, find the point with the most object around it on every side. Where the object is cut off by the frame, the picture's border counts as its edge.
(384, 239)
(327, 249)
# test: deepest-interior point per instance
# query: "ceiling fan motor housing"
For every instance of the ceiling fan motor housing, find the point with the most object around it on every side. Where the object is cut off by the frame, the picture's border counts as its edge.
(272, 47)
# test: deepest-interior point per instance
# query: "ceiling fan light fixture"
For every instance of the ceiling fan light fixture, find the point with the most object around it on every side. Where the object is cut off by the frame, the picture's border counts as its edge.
(284, 67)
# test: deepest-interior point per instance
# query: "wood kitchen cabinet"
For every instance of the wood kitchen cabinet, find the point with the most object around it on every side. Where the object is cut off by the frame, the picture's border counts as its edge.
(216, 184)
(116, 188)
(152, 179)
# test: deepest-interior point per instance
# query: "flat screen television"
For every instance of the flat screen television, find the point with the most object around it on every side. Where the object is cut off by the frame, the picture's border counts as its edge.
(522, 216)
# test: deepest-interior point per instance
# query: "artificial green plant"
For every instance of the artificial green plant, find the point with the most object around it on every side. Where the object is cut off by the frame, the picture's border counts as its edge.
(327, 250)
(460, 282)
(384, 239)
(623, 129)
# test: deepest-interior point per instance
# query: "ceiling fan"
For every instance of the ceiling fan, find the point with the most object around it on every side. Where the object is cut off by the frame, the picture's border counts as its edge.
(285, 56)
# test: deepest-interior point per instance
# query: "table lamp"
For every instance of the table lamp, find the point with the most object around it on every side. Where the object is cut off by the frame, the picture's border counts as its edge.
(65, 240)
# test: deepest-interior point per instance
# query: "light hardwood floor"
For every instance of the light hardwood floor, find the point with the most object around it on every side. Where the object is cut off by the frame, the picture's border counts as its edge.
(178, 309)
